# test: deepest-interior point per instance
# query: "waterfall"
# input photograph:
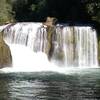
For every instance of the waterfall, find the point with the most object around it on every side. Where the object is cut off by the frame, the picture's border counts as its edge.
(80, 46)
(73, 45)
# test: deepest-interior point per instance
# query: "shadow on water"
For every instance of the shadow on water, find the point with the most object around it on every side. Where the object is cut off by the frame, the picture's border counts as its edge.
(84, 85)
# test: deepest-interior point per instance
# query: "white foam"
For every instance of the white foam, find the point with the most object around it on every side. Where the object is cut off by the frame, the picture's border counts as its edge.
(25, 60)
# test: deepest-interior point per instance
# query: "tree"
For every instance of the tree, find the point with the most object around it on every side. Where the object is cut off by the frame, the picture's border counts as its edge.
(93, 9)
(33, 10)
(38, 10)
(5, 11)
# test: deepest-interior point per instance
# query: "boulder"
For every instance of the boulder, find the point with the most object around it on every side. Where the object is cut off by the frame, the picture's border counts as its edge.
(5, 53)
(50, 21)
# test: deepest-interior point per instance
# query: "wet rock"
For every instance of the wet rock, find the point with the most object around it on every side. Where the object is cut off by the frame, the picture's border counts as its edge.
(5, 53)
(50, 21)
(51, 33)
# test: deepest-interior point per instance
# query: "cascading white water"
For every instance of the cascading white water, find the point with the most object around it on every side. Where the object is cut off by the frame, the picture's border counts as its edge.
(76, 45)
(80, 46)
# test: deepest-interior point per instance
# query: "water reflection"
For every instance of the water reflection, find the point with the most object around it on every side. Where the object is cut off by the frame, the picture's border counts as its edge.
(50, 86)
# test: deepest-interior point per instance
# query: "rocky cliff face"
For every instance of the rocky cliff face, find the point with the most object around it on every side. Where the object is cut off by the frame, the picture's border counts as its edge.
(51, 33)
(5, 53)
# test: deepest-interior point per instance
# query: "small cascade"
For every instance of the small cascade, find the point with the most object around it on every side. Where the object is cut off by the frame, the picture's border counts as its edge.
(73, 45)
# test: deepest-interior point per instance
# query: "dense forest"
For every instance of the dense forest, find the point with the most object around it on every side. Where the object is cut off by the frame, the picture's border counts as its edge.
(38, 10)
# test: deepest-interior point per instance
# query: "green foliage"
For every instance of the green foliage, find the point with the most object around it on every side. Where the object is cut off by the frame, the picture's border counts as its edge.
(93, 9)
(33, 7)
(5, 11)
(64, 10)
(38, 10)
